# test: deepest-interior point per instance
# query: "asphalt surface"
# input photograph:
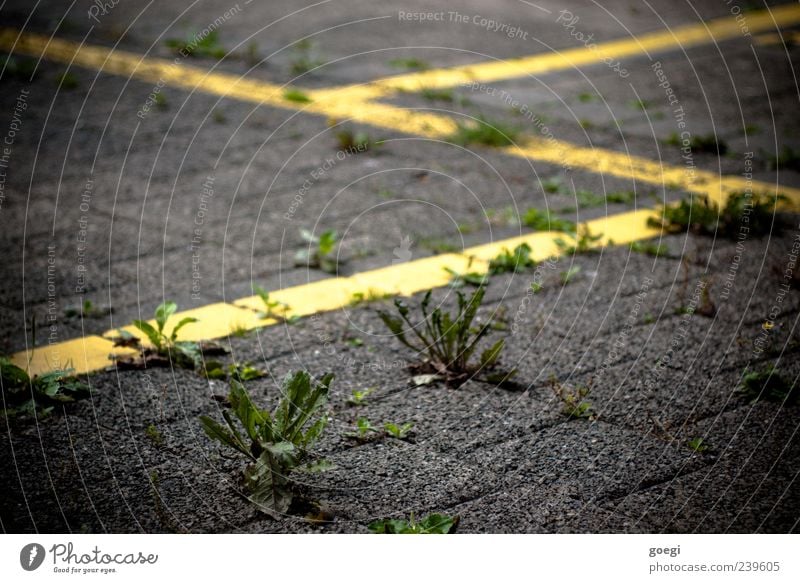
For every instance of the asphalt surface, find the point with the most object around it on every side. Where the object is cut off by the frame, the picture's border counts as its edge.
(503, 460)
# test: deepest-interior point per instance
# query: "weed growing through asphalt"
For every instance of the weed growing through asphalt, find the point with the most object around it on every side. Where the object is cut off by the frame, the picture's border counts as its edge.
(768, 385)
(701, 216)
(540, 220)
(194, 46)
(649, 248)
(410, 63)
(449, 341)
(67, 81)
(24, 396)
(432, 524)
(320, 252)
(275, 443)
(573, 399)
(512, 261)
(154, 435)
(186, 354)
(364, 430)
(303, 58)
(296, 96)
(398, 431)
(87, 310)
(161, 101)
(699, 143)
(242, 372)
(581, 242)
(273, 309)
(358, 398)
(568, 276)
(788, 159)
(471, 278)
(484, 132)
(353, 142)
(369, 296)
(19, 68)
(698, 444)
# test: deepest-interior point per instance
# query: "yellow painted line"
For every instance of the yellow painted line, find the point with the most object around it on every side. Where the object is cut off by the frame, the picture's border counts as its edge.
(219, 320)
(86, 354)
(691, 35)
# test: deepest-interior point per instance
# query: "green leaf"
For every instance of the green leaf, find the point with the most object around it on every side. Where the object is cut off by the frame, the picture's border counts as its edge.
(219, 433)
(181, 324)
(268, 487)
(152, 334)
(247, 413)
(163, 312)
(490, 356)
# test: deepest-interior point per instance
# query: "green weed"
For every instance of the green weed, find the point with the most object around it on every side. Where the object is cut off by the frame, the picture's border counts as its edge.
(358, 398)
(581, 242)
(569, 275)
(369, 297)
(296, 96)
(185, 354)
(432, 524)
(540, 220)
(573, 399)
(449, 341)
(398, 431)
(512, 261)
(698, 444)
(649, 248)
(304, 57)
(320, 252)
(154, 435)
(23, 395)
(484, 132)
(194, 45)
(472, 278)
(275, 443)
(768, 385)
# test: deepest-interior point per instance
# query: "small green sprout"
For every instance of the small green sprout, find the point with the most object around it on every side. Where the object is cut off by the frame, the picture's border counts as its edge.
(39, 394)
(582, 242)
(363, 430)
(698, 444)
(368, 297)
(652, 249)
(185, 353)
(398, 431)
(195, 45)
(432, 524)
(768, 385)
(296, 96)
(320, 252)
(358, 398)
(273, 309)
(484, 132)
(154, 435)
(573, 399)
(409, 63)
(569, 275)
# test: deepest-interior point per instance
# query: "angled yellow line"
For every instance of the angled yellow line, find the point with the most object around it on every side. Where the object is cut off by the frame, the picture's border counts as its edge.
(92, 353)
(684, 36)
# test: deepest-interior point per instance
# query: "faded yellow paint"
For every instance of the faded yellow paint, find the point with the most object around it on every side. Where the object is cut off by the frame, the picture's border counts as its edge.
(83, 355)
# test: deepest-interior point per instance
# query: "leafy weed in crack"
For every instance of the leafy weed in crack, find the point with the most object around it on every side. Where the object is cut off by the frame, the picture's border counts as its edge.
(698, 444)
(364, 431)
(449, 341)
(484, 132)
(304, 57)
(195, 45)
(540, 220)
(67, 81)
(568, 276)
(471, 278)
(320, 252)
(701, 216)
(512, 261)
(273, 309)
(409, 63)
(296, 96)
(87, 310)
(275, 443)
(582, 242)
(359, 398)
(368, 297)
(573, 399)
(768, 385)
(154, 435)
(649, 248)
(401, 432)
(708, 143)
(431, 524)
(185, 354)
(787, 159)
(24, 396)
(242, 372)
